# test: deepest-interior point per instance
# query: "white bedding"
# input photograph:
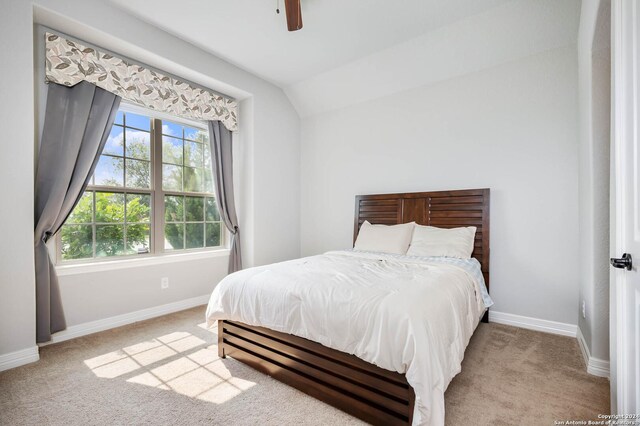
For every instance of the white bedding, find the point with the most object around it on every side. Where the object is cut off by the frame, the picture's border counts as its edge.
(406, 314)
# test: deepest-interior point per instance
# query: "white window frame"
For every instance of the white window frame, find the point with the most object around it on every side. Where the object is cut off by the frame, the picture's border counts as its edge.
(156, 223)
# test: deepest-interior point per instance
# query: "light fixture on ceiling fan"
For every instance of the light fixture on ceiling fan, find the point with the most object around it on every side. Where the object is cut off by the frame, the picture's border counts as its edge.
(293, 12)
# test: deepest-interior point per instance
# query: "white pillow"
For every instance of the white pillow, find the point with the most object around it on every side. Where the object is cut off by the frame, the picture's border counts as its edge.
(432, 241)
(384, 238)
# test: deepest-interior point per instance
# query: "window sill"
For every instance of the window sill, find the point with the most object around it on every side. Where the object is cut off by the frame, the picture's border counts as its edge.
(111, 265)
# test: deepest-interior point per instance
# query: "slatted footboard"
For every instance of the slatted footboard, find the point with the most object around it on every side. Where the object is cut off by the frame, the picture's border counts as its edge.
(373, 394)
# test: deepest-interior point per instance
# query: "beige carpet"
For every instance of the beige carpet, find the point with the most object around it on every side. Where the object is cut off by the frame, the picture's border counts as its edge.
(166, 371)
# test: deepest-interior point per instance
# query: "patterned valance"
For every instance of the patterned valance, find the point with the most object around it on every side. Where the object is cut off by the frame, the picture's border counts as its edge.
(69, 62)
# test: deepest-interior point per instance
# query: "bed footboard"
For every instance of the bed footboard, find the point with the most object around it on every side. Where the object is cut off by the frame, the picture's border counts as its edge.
(344, 381)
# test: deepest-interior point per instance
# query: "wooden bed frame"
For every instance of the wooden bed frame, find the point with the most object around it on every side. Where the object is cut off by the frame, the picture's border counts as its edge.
(344, 381)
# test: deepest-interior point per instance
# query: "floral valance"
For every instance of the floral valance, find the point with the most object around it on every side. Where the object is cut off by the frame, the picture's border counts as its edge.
(68, 63)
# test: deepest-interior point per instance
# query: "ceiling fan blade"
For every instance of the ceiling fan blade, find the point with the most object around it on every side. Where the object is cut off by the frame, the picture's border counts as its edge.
(294, 14)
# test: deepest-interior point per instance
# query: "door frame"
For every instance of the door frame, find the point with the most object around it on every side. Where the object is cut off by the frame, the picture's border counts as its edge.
(624, 120)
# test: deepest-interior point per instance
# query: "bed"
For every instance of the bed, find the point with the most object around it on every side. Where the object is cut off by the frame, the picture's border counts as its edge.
(308, 359)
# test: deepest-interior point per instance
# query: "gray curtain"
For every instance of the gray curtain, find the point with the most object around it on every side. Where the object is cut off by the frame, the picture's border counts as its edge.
(222, 161)
(77, 123)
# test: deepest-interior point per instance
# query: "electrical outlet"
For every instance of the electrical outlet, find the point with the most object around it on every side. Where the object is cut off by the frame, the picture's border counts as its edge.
(164, 282)
(584, 309)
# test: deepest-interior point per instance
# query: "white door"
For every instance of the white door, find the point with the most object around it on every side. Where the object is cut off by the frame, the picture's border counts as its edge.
(625, 284)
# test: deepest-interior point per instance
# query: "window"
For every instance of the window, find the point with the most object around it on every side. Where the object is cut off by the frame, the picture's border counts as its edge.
(151, 192)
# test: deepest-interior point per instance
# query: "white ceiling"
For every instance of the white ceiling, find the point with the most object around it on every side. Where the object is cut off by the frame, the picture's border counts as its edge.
(249, 34)
(509, 32)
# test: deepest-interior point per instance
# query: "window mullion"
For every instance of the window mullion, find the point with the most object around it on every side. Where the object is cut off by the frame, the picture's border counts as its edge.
(183, 190)
(157, 217)
(118, 189)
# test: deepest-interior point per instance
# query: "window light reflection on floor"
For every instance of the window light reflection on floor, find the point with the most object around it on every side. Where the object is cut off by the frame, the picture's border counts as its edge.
(173, 362)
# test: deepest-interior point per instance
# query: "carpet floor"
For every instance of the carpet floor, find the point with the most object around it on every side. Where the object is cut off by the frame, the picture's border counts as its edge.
(165, 371)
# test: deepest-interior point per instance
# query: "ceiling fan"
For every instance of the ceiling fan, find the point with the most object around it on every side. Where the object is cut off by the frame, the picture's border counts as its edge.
(294, 14)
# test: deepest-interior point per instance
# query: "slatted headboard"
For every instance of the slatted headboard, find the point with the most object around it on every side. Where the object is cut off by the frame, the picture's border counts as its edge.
(444, 209)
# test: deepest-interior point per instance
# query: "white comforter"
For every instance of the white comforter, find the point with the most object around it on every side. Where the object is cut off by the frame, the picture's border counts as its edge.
(409, 315)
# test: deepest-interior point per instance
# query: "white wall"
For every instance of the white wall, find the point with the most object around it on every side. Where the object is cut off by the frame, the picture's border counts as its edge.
(511, 128)
(268, 179)
(17, 281)
(92, 296)
(594, 57)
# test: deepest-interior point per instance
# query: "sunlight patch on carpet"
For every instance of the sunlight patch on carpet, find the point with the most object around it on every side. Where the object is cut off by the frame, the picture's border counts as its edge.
(178, 362)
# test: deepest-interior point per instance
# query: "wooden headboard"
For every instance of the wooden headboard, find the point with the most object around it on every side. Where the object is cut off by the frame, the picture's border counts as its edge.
(444, 209)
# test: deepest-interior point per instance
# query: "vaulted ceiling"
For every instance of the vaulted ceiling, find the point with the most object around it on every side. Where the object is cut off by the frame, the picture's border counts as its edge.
(392, 45)
(250, 34)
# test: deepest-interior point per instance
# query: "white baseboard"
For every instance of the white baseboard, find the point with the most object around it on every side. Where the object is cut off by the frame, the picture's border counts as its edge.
(536, 324)
(595, 366)
(119, 320)
(18, 358)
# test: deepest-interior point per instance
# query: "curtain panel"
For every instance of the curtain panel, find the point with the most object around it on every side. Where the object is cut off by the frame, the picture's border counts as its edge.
(68, 62)
(77, 123)
(220, 139)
